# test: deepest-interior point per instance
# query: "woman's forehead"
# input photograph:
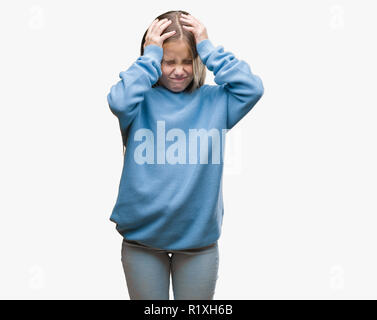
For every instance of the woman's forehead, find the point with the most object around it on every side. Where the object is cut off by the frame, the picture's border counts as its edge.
(176, 49)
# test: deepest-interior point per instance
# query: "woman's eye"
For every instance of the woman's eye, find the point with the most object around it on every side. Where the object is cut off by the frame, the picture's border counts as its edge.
(171, 63)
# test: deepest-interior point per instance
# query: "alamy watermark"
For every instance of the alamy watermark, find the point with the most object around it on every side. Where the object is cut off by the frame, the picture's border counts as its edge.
(211, 142)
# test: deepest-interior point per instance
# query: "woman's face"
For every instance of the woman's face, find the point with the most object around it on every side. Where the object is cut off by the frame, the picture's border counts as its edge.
(176, 66)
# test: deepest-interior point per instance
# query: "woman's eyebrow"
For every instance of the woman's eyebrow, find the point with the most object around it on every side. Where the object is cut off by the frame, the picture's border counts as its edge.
(170, 60)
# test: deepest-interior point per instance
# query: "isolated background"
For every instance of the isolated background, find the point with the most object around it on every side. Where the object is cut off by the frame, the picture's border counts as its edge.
(300, 182)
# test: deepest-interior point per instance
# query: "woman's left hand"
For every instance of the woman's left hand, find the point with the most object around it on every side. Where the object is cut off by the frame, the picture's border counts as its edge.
(195, 26)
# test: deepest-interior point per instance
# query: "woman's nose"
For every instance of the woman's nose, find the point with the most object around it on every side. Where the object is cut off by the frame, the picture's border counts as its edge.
(179, 70)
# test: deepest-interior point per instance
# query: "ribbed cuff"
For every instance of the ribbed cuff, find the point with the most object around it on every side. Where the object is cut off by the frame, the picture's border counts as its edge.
(154, 51)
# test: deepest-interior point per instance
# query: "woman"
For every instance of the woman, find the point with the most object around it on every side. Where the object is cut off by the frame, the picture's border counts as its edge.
(169, 208)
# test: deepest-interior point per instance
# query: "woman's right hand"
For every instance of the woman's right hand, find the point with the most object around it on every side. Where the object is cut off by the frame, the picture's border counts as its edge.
(153, 35)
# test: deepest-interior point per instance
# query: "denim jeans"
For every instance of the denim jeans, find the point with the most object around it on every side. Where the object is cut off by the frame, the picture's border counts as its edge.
(194, 272)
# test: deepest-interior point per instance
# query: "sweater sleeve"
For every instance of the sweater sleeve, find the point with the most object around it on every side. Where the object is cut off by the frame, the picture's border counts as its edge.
(242, 87)
(125, 96)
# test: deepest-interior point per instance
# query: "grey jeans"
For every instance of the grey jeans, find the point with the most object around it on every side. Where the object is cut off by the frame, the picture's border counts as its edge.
(194, 272)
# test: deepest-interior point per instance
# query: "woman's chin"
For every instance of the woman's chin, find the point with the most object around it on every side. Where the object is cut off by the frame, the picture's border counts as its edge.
(177, 87)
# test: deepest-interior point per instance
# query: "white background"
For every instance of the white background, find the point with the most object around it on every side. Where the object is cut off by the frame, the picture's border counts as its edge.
(300, 185)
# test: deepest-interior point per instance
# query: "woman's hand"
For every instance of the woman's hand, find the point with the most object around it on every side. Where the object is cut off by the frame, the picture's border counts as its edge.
(153, 35)
(195, 26)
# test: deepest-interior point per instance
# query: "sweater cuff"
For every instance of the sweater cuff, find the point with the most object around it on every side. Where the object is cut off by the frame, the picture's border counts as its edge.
(154, 51)
(204, 47)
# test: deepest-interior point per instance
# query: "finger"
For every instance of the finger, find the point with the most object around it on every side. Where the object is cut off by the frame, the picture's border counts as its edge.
(161, 25)
(184, 18)
(188, 16)
(188, 28)
(167, 34)
(165, 24)
(162, 21)
(187, 21)
(153, 23)
(152, 26)
(192, 18)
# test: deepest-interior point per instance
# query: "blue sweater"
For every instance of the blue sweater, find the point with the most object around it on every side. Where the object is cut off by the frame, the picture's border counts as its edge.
(170, 193)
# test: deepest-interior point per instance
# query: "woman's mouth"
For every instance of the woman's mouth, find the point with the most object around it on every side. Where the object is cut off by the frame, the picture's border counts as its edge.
(178, 79)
